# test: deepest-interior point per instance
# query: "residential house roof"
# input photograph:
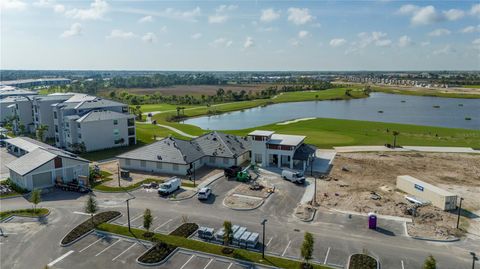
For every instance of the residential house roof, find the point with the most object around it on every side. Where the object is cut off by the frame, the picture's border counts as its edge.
(288, 140)
(222, 145)
(261, 133)
(26, 143)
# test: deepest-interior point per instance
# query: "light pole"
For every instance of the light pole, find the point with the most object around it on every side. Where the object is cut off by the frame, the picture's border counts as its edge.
(128, 212)
(315, 192)
(458, 213)
(474, 259)
(263, 238)
(118, 174)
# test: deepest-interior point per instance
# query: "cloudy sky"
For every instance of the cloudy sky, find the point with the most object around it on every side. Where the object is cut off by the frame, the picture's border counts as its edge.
(243, 35)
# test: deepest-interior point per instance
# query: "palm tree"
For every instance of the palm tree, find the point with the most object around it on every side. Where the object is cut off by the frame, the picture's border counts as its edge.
(395, 134)
(40, 132)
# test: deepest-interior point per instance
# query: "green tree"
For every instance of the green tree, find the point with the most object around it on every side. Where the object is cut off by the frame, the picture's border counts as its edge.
(395, 134)
(307, 247)
(430, 263)
(40, 132)
(147, 219)
(35, 199)
(227, 237)
(91, 207)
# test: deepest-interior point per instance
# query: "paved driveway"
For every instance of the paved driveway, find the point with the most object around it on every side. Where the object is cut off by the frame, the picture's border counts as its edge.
(5, 158)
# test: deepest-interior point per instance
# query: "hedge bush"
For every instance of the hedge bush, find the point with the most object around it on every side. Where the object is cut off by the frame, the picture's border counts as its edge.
(87, 226)
(185, 230)
(362, 261)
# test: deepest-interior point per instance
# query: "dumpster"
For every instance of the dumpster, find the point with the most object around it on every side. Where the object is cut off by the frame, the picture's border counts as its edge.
(372, 221)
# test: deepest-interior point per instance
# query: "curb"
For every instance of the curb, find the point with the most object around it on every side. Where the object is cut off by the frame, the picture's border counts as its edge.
(309, 219)
(84, 235)
(456, 239)
(243, 209)
(156, 263)
(37, 218)
(349, 257)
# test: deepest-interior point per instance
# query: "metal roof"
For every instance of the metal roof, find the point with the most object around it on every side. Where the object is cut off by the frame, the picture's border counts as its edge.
(97, 115)
(288, 140)
(26, 143)
(426, 185)
(304, 152)
(261, 133)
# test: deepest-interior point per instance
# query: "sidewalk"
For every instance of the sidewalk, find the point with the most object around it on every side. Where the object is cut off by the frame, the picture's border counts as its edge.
(406, 148)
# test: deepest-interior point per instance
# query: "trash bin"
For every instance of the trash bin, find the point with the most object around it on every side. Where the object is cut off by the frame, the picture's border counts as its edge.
(372, 221)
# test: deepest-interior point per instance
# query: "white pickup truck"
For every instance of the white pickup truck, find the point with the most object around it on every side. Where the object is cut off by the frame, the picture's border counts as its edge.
(170, 186)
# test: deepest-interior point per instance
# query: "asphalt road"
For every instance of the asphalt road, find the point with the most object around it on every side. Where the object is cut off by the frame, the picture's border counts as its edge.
(336, 235)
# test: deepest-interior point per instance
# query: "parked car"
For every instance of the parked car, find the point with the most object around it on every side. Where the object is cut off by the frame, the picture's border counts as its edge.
(150, 185)
(293, 176)
(170, 186)
(232, 171)
(204, 193)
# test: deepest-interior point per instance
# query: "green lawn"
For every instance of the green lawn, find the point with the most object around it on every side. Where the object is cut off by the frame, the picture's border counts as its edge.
(161, 107)
(472, 86)
(109, 153)
(104, 188)
(24, 213)
(327, 133)
(425, 92)
(215, 249)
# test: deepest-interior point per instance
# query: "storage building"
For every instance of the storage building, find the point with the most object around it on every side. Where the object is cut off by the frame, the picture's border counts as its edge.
(438, 197)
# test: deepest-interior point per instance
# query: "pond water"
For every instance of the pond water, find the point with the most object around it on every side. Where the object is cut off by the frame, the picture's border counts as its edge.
(418, 110)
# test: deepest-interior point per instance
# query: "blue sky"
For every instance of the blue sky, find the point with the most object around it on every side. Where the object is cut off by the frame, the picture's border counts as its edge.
(240, 35)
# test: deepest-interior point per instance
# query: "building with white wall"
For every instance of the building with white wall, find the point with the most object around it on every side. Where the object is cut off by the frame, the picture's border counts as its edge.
(181, 157)
(41, 165)
(279, 150)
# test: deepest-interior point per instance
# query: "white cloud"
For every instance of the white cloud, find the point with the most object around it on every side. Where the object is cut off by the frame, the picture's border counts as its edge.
(221, 42)
(439, 32)
(299, 16)
(269, 15)
(384, 43)
(149, 37)
(164, 29)
(470, 29)
(421, 15)
(97, 10)
(196, 36)
(189, 15)
(117, 33)
(59, 8)
(146, 19)
(404, 41)
(303, 34)
(475, 10)
(295, 42)
(337, 42)
(447, 49)
(248, 43)
(168, 45)
(220, 15)
(74, 30)
(16, 5)
(453, 14)
(425, 43)
(476, 41)
(43, 3)
(376, 38)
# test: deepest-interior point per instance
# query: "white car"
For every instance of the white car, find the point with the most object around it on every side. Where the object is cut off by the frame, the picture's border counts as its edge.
(204, 193)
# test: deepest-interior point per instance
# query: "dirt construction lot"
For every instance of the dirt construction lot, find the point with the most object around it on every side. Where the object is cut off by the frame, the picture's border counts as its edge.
(355, 176)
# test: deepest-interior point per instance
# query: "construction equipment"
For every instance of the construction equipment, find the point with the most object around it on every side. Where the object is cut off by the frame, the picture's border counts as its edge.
(243, 176)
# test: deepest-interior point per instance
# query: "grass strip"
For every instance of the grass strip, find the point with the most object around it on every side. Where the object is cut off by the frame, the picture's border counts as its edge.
(40, 212)
(177, 241)
(133, 186)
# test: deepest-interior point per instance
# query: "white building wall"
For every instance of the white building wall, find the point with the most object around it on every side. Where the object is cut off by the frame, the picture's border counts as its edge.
(150, 166)
(99, 135)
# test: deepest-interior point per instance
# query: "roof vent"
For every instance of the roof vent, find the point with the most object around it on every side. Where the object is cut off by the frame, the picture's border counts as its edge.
(214, 139)
(159, 157)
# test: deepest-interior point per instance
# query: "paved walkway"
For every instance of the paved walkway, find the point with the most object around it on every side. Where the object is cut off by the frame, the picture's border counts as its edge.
(170, 128)
(406, 148)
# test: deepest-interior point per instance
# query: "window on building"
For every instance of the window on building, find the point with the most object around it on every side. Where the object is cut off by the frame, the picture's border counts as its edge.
(143, 163)
(78, 125)
(159, 165)
(54, 114)
(131, 122)
(211, 159)
(57, 162)
(67, 124)
(56, 128)
(175, 167)
(80, 136)
(124, 109)
(116, 132)
(57, 139)
(131, 131)
(258, 158)
(127, 161)
(115, 122)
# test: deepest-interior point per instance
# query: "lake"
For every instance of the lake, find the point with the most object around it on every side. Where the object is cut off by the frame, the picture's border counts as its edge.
(408, 109)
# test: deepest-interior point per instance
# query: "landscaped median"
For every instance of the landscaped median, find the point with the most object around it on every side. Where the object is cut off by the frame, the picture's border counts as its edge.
(182, 242)
(87, 226)
(131, 187)
(31, 213)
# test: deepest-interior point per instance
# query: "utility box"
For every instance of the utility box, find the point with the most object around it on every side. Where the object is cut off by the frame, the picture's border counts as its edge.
(440, 198)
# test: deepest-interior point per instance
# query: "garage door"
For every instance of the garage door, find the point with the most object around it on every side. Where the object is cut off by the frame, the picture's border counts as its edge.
(42, 180)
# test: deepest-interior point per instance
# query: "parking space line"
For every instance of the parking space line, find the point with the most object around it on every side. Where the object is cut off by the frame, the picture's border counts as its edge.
(268, 243)
(231, 264)
(211, 260)
(116, 257)
(402, 264)
(185, 264)
(59, 258)
(91, 244)
(288, 245)
(165, 223)
(132, 220)
(141, 225)
(326, 256)
(105, 249)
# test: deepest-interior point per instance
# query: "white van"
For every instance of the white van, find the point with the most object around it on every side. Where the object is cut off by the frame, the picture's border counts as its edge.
(293, 176)
(170, 186)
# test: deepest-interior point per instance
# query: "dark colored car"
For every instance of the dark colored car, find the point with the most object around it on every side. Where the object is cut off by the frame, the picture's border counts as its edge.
(232, 171)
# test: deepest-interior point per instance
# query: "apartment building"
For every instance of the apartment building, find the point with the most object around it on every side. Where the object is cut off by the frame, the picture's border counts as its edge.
(43, 112)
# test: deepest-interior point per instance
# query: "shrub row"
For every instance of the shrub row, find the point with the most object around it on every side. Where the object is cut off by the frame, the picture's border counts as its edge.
(362, 261)
(185, 230)
(87, 226)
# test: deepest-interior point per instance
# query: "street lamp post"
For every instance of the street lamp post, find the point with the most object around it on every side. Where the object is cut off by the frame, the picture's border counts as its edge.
(118, 174)
(458, 213)
(128, 212)
(474, 259)
(263, 238)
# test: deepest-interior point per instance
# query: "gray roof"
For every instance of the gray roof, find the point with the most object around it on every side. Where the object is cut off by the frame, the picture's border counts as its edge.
(98, 103)
(97, 115)
(222, 145)
(304, 151)
(53, 97)
(26, 143)
(172, 150)
(37, 158)
(169, 150)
